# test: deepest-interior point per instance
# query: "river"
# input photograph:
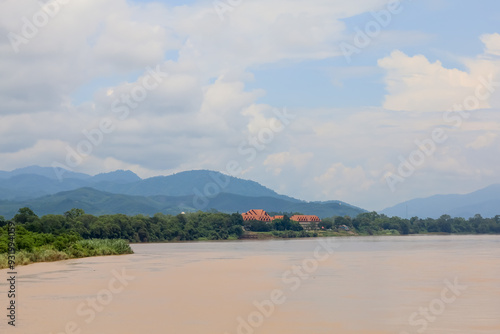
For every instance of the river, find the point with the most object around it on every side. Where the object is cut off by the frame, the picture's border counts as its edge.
(362, 285)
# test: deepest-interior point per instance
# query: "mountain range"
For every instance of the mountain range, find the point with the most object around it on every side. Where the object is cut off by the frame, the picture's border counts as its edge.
(485, 202)
(50, 191)
(47, 191)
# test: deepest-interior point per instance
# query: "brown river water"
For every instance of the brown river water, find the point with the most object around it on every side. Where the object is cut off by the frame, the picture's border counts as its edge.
(363, 285)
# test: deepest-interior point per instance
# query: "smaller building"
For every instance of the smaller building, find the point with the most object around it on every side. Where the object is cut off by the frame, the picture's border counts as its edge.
(278, 217)
(307, 221)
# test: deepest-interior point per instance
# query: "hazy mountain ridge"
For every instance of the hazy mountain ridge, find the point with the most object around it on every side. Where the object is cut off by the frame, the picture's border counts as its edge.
(47, 172)
(125, 192)
(98, 203)
(202, 189)
(485, 201)
(32, 182)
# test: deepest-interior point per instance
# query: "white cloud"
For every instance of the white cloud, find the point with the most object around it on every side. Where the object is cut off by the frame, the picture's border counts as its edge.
(262, 32)
(491, 43)
(483, 141)
(85, 41)
(277, 161)
(415, 84)
(41, 152)
(337, 181)
(204, 109)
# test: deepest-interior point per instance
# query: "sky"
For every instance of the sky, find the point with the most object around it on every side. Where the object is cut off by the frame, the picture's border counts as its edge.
(371, 102)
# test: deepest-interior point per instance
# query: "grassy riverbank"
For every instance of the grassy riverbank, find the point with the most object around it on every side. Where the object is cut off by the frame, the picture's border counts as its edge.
(34, 247)
(82, 248)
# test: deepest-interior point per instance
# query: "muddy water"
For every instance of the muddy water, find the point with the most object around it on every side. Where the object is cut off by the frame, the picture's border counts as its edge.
(365, 285)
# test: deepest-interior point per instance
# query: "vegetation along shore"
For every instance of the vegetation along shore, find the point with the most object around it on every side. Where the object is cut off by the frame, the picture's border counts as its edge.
(76, 234)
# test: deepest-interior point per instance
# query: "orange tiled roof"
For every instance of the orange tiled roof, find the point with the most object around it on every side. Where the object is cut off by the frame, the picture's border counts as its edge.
(278, 217)
(305, 218)
(256, 215)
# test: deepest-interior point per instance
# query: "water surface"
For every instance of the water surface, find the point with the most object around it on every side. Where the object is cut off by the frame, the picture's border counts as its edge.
(335, 285)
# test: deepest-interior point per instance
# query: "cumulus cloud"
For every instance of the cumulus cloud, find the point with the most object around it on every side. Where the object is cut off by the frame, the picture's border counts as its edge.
(262, 32)
(491, 44)
(203, 109)
(40, 152)
(413, 83)
(276, 162)
(339, 180)
(82, 42)
(416, 84)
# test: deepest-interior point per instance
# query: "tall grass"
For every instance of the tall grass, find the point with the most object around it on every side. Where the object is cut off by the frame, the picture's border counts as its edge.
(81, 248)
(4, 261)
(97, 247)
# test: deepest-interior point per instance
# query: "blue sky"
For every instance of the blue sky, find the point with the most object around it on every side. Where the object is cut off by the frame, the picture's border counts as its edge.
(224, 80)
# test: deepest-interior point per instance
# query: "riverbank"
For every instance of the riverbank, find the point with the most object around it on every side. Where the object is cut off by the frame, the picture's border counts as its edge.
(78, 249)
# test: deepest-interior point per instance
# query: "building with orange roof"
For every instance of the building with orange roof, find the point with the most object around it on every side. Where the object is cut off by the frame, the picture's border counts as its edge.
(306, 221)
(257, 215)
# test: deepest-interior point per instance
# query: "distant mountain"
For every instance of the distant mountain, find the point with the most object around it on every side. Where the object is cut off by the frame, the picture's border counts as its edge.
(98, 203)
(33, 182)
(88, 199)
(485, 202)
(119, 176)
(125, 192)
(191, 183)
(47, 172)
(28, 186)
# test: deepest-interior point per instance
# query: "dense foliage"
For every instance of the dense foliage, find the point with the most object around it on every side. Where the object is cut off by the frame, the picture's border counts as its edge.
(139, 228)
(77, 234)
(374, 223)
(62, 231)
(38, 247)
(284, 224)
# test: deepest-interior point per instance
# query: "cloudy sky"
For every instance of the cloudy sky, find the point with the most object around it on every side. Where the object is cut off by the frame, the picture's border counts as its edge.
(366, 101)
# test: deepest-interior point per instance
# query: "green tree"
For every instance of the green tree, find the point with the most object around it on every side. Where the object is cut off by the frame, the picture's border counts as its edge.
(444, 223)
(346, 220)
(236, 219)
(326, 223)
(74, 213)
(258, 226)
(25, 215)
(404, 227)
(295, 226)
(55, 224)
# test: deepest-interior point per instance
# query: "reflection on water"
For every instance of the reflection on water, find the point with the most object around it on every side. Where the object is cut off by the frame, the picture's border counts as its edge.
(415, 284)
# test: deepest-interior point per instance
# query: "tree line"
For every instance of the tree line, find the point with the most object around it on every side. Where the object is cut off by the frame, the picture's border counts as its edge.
(139, 228)
(370, 223)
(215, 225)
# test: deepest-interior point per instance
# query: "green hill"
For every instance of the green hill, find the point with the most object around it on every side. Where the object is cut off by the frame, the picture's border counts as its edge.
(98, 203)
